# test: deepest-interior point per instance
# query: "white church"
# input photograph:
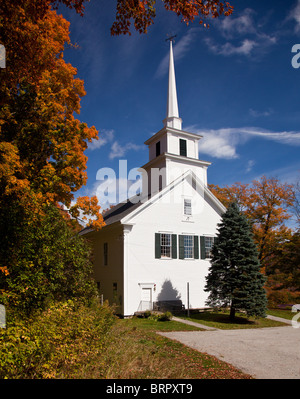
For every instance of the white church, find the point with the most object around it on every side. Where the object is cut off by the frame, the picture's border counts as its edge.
(154, 251)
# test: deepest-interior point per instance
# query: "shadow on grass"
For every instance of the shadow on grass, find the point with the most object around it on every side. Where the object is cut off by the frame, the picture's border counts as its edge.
(220, 317)
(221, 320)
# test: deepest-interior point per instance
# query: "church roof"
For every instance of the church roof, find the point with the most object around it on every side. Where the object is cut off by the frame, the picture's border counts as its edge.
(119, 211)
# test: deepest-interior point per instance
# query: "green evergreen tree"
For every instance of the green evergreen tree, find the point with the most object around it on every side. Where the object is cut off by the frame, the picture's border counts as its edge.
(234, 277)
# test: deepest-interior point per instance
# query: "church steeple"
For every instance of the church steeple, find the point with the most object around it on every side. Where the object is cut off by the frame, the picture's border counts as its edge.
(172, 151)
(172, 119)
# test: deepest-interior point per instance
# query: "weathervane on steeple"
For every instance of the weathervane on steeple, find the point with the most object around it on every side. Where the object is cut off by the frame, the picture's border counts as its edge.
(171, 38)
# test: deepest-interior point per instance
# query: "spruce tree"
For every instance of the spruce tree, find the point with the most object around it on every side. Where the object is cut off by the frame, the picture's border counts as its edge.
(234, 277)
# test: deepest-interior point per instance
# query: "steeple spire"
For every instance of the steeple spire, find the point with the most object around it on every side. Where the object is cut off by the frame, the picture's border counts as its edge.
(172, 119)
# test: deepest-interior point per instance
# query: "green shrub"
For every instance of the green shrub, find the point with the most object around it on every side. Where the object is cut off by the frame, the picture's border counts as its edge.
(50, 263)
(167, 316)
(56, 343)
(147, 314)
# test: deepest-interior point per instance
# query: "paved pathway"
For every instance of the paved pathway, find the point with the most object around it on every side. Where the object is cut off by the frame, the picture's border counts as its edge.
(193, 323)
(264, 353)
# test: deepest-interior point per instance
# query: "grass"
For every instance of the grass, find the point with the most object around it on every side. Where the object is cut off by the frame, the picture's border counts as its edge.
(78, 343)
(138, 352)
(153, 325)
(284, 313)
(220, 319)
(70, 341)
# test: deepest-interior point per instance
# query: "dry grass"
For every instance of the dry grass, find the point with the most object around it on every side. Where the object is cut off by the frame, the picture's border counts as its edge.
(139, 353)
(67, 342)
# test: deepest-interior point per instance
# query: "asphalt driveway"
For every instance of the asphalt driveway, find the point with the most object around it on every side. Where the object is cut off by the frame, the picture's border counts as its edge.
(264, 353)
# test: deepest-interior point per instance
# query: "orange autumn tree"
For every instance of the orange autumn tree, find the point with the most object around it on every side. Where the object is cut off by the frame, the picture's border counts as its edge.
(266, 204)
(42, 160)
(143, 12)
(284, 272)
(39, 96)
(268, 209)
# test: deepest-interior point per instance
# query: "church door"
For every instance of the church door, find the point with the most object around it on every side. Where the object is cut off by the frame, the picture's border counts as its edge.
(146, 299)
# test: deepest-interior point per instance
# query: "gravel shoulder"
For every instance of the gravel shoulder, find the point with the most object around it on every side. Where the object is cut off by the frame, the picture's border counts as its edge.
(264, 353)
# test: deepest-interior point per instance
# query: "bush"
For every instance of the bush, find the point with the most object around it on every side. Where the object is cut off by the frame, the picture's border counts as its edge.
(147, 314)
(56, 343)
(167, 316)
(49, 263)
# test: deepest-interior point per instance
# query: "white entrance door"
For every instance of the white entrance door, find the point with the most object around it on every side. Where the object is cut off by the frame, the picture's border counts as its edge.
(146, 299)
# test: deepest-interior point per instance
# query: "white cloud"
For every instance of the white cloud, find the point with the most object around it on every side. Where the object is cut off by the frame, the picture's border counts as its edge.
(243, 36)
(250, 165)
(243, 24)
(219, 144)
(257, 114)
(289, 138)
(105, 136)
(295, 15)
(118, 150)
(223, 143)
(244, 48)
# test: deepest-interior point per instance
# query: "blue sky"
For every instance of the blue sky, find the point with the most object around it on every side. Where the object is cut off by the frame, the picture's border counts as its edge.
(236, 86)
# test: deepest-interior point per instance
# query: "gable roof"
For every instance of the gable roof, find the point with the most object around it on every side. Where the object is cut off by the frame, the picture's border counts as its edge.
(123, 211)
(119, 211)
(218, 206)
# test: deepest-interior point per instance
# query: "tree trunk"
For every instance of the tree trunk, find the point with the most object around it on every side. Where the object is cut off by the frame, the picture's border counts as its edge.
(232, 313)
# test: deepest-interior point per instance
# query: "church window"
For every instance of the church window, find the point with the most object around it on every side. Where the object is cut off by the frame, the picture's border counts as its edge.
(166, 245)
(206, 246)
(209, 242)
(182, 147)
(187, 207)
(158, 148)
(188, 247)
(105, 253)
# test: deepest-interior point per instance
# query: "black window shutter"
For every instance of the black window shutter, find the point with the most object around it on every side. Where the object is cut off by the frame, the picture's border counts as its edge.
(158, 148)
(181, 247)
(157, 246)
(196, 247)
(182, 147)
(202, 247)
(174, 246)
